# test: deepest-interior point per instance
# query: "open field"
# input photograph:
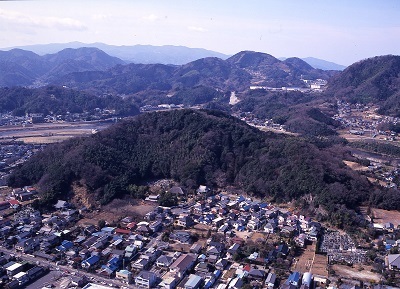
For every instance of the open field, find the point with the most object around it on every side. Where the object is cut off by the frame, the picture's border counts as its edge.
(117, 210)
(49, 132)
(384, 216)
(306, 259)
(358, 273)
(309, 261)
(356, 166)
(319, 265)
(259, 237)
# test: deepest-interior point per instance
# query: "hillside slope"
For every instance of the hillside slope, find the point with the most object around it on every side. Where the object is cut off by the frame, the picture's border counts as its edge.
(194, 147)
(374, 80)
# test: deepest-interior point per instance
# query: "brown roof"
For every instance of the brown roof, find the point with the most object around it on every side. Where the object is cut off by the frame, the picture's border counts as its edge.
(183, 262)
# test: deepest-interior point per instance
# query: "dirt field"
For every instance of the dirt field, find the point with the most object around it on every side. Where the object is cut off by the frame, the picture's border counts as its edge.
(259, 237)
(117, 210)
(355, 166)
(384, 216)
(355, 273)
(49, 132)
(319, 265)
(305, 261)
(308, 261)
(352, 137)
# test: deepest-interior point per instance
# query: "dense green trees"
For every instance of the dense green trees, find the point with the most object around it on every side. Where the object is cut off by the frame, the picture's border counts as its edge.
(59, 100)
(294, 109)
(373, 80)
(195, 147)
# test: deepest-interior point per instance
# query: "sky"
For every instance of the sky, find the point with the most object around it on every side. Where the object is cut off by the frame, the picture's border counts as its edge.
(334, 30)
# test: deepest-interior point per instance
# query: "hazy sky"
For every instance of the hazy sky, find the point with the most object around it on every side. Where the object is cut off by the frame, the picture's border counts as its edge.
(334, 30)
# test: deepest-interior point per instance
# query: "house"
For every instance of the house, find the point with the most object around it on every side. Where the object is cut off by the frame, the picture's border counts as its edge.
(130, 252)
(35, 272)
(61, 205)
(169, 281)
(155, 226)
(393, 261)
(21, 277)
(90, 262)
(141, 264)
(389, 227)
(183, 264)
(256, 274)
(294, 279)
(221, 264)
(124, 275)
(131, 226)
(49, 241)
(203, 189)
(185, 221)
(177, 190)
(193, 282)
(202, 268)
(152, 254)
(196, 248)
(145, 279)
(181, 236)
(283, 249)
(209, 280)
(300, 240)
(27, 245)
(164, 261)
(270, 227)
(307, 279)
(213, 251)
(236, 283)
(65, 245)
(270, 281)
(13, 268)
(234, 248)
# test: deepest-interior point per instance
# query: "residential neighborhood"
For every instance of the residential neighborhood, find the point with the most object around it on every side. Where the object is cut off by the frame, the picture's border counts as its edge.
(218, 240)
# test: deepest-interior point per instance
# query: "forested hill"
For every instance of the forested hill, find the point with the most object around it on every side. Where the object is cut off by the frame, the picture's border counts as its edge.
(59, 100)
(375, 80)
(195, 147)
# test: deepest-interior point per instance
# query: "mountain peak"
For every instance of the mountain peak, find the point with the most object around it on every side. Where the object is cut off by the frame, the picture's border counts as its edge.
(298, 63)
(252, 59)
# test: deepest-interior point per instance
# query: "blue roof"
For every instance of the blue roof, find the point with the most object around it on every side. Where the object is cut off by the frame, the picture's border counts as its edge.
(92, 259)
(108, 229)
(294, 277)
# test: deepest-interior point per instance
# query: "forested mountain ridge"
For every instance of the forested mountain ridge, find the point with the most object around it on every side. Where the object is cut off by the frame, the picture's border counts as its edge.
(373, 80)
(237, 73)
(197, 147)
(59, 100)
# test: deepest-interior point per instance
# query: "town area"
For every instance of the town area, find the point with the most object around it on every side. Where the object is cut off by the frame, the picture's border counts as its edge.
(212, 240)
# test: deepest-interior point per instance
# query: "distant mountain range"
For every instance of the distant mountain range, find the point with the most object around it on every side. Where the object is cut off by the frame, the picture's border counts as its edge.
(149, 54)
(236, 73)
(323, 64)
(22, 68)
(144, 54)
(320, 63)
(92, 68)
